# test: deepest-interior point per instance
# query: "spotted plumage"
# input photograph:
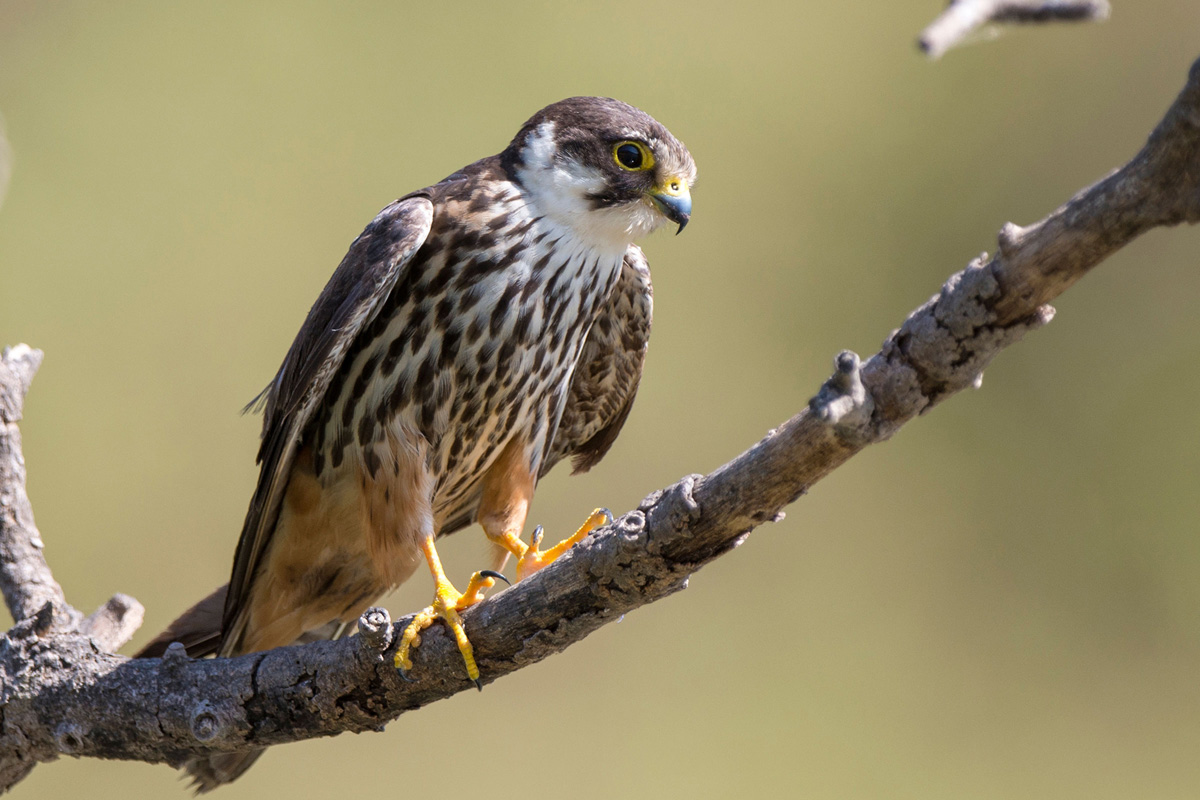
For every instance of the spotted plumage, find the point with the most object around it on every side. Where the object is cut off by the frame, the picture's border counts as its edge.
(476, 333)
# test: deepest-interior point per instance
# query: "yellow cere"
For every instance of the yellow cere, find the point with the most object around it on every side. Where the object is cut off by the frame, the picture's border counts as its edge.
(674, 186)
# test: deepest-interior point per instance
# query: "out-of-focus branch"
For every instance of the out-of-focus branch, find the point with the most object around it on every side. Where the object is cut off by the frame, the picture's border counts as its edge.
(963, 17)
(61, 693)
(113, 624)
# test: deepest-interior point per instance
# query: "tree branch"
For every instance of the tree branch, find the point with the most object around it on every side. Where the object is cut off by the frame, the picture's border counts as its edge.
(963, 17)
(25, 577)
(35, 600)
(62, 693)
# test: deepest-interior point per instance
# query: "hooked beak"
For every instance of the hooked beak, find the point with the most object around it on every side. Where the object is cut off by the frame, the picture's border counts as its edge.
(674, 201)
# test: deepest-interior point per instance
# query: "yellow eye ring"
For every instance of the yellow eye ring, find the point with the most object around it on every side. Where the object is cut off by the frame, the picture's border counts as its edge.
(633, 156)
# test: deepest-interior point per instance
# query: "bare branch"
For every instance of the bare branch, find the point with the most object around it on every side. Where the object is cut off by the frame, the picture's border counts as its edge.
(61, 693)
(963, 17)
(114, 623)
(25, 577)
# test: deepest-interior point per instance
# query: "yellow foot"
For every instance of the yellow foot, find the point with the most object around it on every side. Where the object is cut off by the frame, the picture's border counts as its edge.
(534, 558)
(447, 602)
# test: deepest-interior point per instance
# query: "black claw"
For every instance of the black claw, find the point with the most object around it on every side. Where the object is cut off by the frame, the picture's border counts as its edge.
(535, 538)
(403, 673)
(478, 684)
(491, 573)
(608, 516)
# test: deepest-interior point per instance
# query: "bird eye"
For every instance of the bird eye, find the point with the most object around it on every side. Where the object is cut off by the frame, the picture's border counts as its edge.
(633, 156)
(629, 156)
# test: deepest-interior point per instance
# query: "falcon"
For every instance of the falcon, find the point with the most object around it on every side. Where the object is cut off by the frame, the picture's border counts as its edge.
(477, 332)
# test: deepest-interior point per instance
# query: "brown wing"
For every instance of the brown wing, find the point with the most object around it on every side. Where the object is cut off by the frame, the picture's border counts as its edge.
(607, 374)
(349, 302)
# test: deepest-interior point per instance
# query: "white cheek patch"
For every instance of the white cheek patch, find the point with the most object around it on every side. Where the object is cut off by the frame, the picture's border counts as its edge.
(584, 181)
(558, 174)
(540, 149)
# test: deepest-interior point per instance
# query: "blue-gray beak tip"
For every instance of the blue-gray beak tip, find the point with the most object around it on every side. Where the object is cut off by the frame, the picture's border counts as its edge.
(677, 208)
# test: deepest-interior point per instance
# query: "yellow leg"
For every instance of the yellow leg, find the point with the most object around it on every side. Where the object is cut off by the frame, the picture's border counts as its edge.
(530, 558)
(447, 602)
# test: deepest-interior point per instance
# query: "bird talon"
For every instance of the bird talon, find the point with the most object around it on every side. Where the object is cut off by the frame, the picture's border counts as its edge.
(447, 602)
(491, 573)
(480, 582)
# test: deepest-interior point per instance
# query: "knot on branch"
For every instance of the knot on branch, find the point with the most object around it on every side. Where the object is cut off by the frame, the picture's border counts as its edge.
(375, 631)
(69, 738)
(210, 723)
(174, 660)
(1010, 239)
(674, 508)
(843, 402)
(206, 725)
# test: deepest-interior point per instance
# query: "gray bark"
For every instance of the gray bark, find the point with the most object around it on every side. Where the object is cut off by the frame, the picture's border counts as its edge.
(63, 691)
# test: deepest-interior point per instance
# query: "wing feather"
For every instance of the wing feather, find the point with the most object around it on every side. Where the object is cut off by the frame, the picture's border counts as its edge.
(349, 302)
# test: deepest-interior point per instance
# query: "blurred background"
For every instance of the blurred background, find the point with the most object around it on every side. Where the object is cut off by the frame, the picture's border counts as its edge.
(1003, 601)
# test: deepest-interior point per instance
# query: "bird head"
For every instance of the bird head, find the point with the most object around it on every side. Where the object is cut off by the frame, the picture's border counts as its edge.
(606, 170)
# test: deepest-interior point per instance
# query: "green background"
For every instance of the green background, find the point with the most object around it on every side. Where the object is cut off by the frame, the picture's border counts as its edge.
(1003, 601)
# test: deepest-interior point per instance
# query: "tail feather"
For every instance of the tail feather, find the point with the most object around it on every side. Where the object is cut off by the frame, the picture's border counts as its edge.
(198, 629)
(213, 772)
